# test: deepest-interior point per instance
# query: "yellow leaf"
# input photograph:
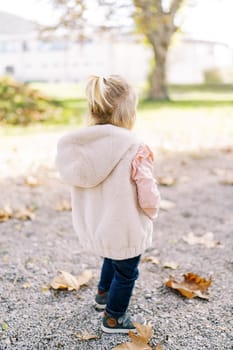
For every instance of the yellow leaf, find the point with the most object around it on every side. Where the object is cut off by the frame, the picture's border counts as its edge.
(166, 205)
(86, 336)
(85, 277)
(67, 281)
(45, 288)
(207, 239)
(5, 213)
(32, 181)
(167, 180)
(63, 205)
(151, 259)
(171, 265)
(24, 214)
(192, 286)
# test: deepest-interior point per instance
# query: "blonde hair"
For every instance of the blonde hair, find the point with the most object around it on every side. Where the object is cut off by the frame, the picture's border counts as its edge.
(111, 101)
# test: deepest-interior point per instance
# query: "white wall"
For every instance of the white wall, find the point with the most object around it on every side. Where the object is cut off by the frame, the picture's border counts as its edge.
(186, 63)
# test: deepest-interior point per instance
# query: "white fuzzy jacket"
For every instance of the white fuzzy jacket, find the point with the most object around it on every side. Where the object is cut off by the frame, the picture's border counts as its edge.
(96, 162)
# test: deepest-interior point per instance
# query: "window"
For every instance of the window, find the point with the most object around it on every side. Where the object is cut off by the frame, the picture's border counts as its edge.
(25, 46)
(9, 70)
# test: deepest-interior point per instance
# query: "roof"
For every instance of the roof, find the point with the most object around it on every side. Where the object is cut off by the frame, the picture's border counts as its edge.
(11, 24)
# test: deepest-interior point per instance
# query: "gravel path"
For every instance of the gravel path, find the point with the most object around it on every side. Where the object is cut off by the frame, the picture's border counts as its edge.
(31, 252)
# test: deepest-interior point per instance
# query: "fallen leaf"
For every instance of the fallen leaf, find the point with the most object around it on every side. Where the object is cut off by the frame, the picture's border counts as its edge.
(67, 281)
(227, 178)
(5, 213)
(6, 259)
(4, 326)
(24, 214)
(158, 347)
(145, 332)
(63, 205)
(86, 336)
(207, 239)
(45, 289)
(171, 265)
(166, 205)
(167, 180)
(138, 341)
(227, 149)
(151, 259)
(84, 278)
(192, 286)
(32, 181)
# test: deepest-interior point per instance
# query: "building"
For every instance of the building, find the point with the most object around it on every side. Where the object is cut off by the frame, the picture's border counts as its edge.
(26, 57)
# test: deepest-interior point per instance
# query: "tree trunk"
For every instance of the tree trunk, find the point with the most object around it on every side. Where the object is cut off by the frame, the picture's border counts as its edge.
(158, 88)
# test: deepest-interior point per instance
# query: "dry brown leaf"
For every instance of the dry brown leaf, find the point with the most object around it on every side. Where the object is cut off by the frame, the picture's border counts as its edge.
(132, 346)
(84, 278)
(192, 286)
(227, 149)
(24, 214)
(5, 213)
(167, 180)
(207, 239)
(32, 181)
(86, 336)
(151, 259)
(67, 281)
(166, 205)
(145, 332)
(63, 205)
(171, 265)
(140, 340)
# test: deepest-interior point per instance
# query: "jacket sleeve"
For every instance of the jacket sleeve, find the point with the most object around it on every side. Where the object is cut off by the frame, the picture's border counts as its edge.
(142, 175)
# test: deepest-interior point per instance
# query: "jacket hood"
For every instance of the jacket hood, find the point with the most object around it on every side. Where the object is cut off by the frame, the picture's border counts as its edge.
(87, 156)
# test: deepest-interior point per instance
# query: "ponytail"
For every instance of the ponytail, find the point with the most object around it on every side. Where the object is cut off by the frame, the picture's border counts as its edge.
(95, 92)
(111, 101)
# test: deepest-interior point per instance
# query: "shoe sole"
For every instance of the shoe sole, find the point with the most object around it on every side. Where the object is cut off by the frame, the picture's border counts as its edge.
(117, 330)
(100, 307)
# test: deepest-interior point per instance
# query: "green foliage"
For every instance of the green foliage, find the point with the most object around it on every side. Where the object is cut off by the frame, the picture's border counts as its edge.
(219, 75)
(21, 105)
(213, 76)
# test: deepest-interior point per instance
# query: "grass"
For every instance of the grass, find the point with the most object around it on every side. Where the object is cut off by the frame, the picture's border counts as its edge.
(180, 123)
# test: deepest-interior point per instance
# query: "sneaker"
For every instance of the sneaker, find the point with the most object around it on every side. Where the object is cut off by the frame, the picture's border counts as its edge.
(123, 324)
(101, 301)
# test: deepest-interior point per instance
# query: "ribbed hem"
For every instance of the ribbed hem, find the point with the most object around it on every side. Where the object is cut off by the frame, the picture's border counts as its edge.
(120, 254)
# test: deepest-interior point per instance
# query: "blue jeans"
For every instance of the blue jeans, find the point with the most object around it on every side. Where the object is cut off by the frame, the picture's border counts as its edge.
(118, 278)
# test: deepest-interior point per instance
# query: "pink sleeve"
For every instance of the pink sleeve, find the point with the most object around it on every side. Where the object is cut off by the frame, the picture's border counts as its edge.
(142, 175)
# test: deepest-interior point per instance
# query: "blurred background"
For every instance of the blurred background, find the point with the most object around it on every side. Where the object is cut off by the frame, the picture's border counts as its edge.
(177, 53)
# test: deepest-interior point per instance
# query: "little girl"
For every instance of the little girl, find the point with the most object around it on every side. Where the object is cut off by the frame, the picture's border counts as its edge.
(114, 194)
